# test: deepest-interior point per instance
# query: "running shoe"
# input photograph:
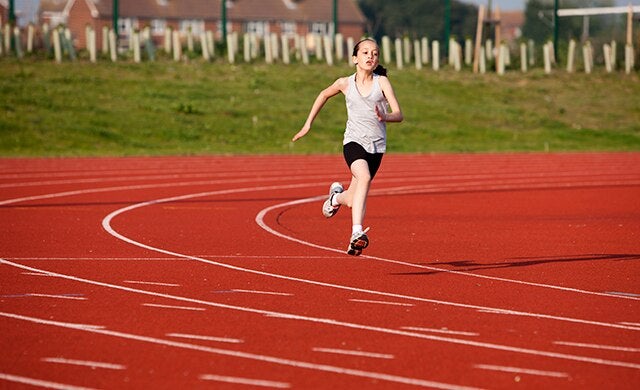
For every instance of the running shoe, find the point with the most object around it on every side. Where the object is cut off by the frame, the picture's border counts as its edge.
(359, 241)
(329, 210)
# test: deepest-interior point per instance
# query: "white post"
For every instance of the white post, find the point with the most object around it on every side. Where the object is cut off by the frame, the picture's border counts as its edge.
(205, 47)
(189, 40)
(112, 45)
(275, 47)
(328, 50)
(425, 50)
(468, 51)
(167, 39)
(246, 44)
(91, 44)
(211, 44)
(339, 47)
(177, 46)
(30, 36)
(435, 54)
(628, 58)
(231, 50)
(17, 41)
(532, 52)
(586, 55)
(452, 44)
(523, 57)
(482, 60)
(571, 56)
(268, 53)
(406, 48)
(57, 50)
(501, 59)
(398, 44)
(614, 54)
(547, 58)
(304, 52)
(7, 38)
(350, 46)
(136, 46)
(456, 49)
(418, 57)
(606, 49)
(285, 49)
(318, 46)
(105, 40)
(489, 50)
(386, 49)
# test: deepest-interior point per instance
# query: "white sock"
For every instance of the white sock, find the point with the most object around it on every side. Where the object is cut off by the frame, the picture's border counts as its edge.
(356, 228)
(334, 200)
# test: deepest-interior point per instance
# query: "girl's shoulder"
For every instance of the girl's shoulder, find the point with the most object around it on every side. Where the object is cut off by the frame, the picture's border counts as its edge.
(342, 83)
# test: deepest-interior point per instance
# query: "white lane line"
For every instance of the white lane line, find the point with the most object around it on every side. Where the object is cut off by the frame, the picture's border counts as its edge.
(630, 323)
(261, 292)
(205, 338)
(331, 322)
(443, 330)
(245, 355)
(106, 224)
(518, 370)
(152, 283)
(56, 296)
(277, 257)
(598, 346)
(40, 383)
(245, 381)
(149, 186)
(260, 216)
(381, 302)
(354, 353)
(35, 274)
(626, 294)
(174, 307)
(260, 221)
(86, 363)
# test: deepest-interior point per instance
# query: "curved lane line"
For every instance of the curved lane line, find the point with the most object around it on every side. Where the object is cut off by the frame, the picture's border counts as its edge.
(244, 355)
(325, 321)
(260, 221)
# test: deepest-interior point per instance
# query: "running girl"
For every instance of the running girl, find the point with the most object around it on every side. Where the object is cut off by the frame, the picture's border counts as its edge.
(368, 95)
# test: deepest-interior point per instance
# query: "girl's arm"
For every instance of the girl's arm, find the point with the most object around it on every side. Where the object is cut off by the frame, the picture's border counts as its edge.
(329, 92)
(396, 113)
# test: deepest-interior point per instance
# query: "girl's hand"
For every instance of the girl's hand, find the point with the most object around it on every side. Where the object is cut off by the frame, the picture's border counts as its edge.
(382, 117)
(305, 129)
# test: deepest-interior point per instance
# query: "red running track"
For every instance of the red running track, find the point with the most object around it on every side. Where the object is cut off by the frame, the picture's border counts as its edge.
(484, 271)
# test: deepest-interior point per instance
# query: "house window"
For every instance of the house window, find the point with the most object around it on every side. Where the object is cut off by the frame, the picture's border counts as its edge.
(258, 28)
(319, 28)
(196, 26)
(158, 26)
(127, 25)
(288, 28)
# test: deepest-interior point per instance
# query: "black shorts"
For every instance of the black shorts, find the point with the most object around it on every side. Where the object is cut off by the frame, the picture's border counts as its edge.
(354, 151)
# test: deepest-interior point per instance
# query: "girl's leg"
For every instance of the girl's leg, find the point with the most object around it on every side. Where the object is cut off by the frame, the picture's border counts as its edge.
(355, 196)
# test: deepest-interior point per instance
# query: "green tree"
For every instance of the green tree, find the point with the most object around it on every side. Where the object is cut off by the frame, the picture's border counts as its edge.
(418, 18)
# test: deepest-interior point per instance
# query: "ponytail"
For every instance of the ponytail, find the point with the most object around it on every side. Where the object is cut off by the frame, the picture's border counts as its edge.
(380, 70)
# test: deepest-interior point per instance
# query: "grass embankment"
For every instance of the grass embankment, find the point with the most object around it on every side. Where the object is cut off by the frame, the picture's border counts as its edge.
(80, 109)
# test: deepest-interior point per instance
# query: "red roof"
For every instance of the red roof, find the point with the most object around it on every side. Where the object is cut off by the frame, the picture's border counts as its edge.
(242, 10)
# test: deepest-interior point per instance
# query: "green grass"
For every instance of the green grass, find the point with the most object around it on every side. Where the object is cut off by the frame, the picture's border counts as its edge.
(167, 108)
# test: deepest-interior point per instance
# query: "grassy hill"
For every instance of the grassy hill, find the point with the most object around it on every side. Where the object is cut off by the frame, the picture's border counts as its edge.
(168, 108)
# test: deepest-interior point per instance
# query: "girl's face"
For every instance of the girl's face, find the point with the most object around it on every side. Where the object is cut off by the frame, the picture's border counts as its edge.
(367, 56)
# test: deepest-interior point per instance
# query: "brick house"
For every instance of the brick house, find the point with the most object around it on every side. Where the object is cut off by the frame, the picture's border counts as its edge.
(4, 12)
(258, 16)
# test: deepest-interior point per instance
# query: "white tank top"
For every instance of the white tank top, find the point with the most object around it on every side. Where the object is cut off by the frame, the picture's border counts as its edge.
(363, 126)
